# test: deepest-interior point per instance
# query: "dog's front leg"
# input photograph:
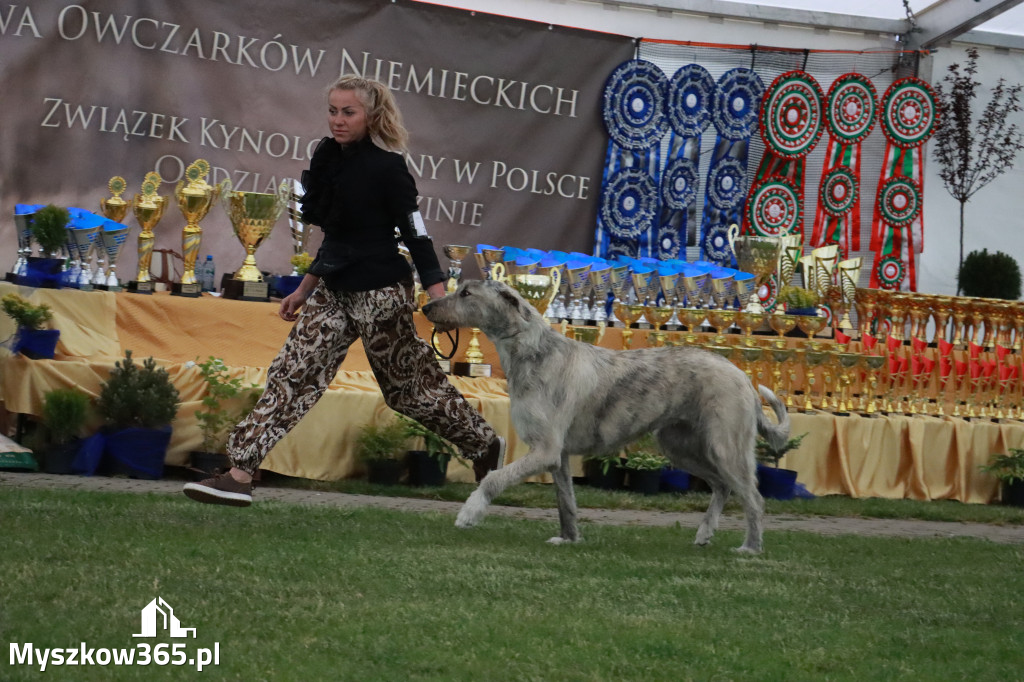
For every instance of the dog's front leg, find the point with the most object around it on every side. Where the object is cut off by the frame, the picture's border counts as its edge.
(534, 463)
(566, 504)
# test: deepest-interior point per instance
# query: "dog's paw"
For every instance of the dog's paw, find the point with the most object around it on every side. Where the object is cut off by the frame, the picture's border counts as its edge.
(747, 550)
(559, 540)
(704, 536)
(471, 514)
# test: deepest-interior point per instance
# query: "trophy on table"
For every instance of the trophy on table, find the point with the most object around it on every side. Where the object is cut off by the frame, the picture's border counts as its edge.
(600, 282)
(23, 229)
(194, 199)
(539, 289)
(148, 207)
(253, 216)
(299, 229)
(111, 240)
(577, 274)
(757, 255)
(849, 274)
(472, 364)
(619, 282)
(81, 241)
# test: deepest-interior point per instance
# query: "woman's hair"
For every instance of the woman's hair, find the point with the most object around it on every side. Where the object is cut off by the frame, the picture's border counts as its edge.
(383, 119)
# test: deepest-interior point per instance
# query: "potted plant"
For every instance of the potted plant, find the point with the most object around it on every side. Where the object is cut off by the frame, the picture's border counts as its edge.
(65, 412)
(34, 340)
(49, 228)
(773, 482)
(138, 405)
(225, 402)
(799, 301)
(382, 448)
(605, 471)
(1009, 469)
(286, 284)
(644, 464)
(427, 466)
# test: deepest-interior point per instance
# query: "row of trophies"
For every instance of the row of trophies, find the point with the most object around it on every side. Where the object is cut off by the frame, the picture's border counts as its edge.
(252, 216)
(939, 354)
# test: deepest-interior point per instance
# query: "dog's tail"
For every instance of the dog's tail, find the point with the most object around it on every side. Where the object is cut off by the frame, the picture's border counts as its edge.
(777, 435)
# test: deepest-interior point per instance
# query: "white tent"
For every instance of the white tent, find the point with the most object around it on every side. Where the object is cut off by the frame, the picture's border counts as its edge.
(945, 27)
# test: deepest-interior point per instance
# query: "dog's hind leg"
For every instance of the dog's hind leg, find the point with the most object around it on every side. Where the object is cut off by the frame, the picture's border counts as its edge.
(753, 511)
(566, 504)
(535, 463)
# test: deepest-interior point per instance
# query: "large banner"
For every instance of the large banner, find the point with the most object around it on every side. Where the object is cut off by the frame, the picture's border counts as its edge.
(504, 114)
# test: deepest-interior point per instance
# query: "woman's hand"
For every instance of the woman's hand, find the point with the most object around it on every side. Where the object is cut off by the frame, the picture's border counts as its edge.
(436, 290)
(291, 303)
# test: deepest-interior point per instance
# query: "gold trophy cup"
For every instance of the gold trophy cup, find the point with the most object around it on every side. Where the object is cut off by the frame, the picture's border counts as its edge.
(252, 215)
(194, 200)
(756, 255)
(148, 207)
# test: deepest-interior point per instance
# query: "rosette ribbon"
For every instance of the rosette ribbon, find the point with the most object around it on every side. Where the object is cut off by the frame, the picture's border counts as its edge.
(691, 93)
(851, 111)
(791, 125)
(735, 115)
(909, 116)
(634, 116)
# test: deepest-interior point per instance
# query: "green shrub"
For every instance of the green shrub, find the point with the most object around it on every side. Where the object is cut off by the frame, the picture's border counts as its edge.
(1007, 468)
(990, 275)
(138, 397)
(382, 441)
(48, 227)
(766, 455)
(798, 297)
(643, 455)
(65, 411)
(24, 313)
(215, 418)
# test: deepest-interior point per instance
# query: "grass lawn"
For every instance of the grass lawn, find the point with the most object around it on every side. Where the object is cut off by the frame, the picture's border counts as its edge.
(301, 593)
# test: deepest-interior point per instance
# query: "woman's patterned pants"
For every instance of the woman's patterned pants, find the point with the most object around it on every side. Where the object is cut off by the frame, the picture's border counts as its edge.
(409, 377)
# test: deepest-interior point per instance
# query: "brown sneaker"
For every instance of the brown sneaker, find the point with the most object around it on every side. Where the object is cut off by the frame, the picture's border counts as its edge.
(220, 489)
(494, 459)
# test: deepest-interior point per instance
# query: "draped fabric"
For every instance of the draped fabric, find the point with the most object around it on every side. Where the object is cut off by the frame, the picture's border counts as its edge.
(634, 116)
(735, 115)
(690, 95)
(851, 111)
(909, 116)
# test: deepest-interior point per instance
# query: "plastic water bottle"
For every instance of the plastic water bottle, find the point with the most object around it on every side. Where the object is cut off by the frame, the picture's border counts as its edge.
(208, 274)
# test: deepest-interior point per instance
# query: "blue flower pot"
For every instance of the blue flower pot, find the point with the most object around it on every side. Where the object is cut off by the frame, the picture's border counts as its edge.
(137, 452)
(674, 480)
(778, 484)
(37, 344)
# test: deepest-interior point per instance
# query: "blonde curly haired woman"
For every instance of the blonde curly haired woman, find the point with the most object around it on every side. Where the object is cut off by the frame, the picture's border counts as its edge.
(358, 190)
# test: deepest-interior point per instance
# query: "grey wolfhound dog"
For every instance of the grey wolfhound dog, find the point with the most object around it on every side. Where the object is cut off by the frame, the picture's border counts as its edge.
(569, 397)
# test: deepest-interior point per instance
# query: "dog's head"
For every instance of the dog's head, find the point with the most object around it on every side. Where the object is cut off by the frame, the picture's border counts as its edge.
(493, 307)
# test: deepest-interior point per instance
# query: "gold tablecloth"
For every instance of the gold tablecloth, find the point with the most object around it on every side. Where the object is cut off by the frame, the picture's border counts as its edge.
(895, 457)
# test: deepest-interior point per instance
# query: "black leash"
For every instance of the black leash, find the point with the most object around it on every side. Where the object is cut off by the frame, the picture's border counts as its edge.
(454, 341)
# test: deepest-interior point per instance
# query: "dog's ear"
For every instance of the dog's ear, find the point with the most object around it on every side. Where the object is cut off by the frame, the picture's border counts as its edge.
(514, 301)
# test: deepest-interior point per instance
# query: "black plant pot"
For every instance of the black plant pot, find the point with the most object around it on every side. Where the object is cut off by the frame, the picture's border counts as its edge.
(59, 458)
(1013, 494)
(206, 464)
(615, 479)
(385, 471)
(425, 470)
(645, 481)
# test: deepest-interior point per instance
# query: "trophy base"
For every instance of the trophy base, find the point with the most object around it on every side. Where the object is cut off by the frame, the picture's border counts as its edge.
(246, 291)
(114, 288)
(471, 369)
(446, 365)
(140, 287)
(193, 290)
